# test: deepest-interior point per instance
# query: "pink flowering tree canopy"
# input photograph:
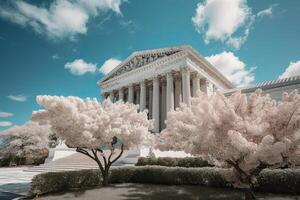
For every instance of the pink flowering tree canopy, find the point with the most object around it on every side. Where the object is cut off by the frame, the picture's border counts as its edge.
(25, 140)
(248, 134)
(92, 127)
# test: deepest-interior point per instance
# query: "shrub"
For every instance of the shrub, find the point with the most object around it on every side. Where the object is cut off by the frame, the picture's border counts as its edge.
(279, 181)
(36, 157)
(174, 162)
(193, 162)
(179, 176)
(61, 181)
(276, 181)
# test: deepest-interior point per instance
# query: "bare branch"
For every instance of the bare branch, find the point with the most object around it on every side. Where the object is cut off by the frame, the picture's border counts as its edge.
(98, 161)
(111, 153)
(105, 161)
(242, 172)
(85, 152)
(122, 149)
(291, 116)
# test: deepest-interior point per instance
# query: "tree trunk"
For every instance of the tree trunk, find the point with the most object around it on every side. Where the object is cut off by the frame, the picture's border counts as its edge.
(249, 195)
(105, 178)
(104, 167)
(246, 178)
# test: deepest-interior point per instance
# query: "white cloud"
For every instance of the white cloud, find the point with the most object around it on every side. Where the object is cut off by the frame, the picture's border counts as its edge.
(80, 67)
(232, 67)
(266, 12)
(5, 123)
(55, 57)
(109, 65)
(19, 97)
(6, 114)
(292, 70)
(237, 42)
(228, 21)
(129, 25)
(219, 20)
(62, 19)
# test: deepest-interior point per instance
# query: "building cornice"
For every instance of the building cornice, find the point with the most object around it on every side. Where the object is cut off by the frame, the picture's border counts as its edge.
(209, 67)
(145, 68)
(267, 85)
(140, 53)
(185, 57)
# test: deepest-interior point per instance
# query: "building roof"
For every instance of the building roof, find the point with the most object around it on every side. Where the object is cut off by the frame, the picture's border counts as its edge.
(267, 85)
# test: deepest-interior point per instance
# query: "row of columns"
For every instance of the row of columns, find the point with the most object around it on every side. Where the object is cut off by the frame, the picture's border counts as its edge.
(171, 96)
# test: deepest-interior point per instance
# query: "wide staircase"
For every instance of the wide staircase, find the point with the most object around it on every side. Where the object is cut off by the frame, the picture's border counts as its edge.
(78, 161)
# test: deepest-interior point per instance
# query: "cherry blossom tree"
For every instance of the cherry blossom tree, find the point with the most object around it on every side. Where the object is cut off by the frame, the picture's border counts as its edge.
(94, 128)
(25, 140)
(247, 134)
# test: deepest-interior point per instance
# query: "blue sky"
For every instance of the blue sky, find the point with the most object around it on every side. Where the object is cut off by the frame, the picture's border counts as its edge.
(57, 47)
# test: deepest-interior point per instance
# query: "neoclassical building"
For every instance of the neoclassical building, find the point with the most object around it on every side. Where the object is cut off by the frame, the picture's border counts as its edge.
(274, 88)
(159, 79)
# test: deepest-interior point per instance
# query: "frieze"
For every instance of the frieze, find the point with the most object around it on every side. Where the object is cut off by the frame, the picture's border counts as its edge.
(141, 60)
(159, 63)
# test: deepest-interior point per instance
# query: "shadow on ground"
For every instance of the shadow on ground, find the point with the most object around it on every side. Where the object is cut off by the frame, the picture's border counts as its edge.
(9, 196)
(162, 192)
(13, 190)
(17, 188)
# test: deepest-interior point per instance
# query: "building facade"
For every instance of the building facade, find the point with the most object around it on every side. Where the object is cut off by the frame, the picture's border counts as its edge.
(274, 88)
(160, 79)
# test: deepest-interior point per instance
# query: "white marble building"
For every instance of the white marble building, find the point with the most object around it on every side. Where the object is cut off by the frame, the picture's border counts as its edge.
(158, 80)
(274, 88)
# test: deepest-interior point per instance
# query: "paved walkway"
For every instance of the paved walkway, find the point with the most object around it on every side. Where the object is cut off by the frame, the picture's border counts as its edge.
(15, 181)
(161, 192)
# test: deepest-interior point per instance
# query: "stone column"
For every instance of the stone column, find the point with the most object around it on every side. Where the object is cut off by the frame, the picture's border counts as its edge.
(155, 105)
(130, 94)
(111, 96)
(150, 102)
(137, 99)
(103, 96)
(163, 111)
(196, 85)
(203, 85)
(178, 94)
(170, 92)
(209, 88)
(186, 86)
(121, 94)
(142, 96)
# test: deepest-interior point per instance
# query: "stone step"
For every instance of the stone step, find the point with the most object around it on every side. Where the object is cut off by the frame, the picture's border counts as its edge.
(65, 167)
(52, 170)
(46, 167)
(76, 161)
(68, 164)
(43, 168)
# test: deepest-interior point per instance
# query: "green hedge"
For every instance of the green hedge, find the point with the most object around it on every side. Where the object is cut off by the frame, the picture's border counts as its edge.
(174, 162)
(35, 158)
(169, 175)
(276, 181)
(280, 181)
(62, 181)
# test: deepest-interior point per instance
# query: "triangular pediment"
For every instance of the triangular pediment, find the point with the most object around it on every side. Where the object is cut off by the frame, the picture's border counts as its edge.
(139, 59)
(149, 58)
